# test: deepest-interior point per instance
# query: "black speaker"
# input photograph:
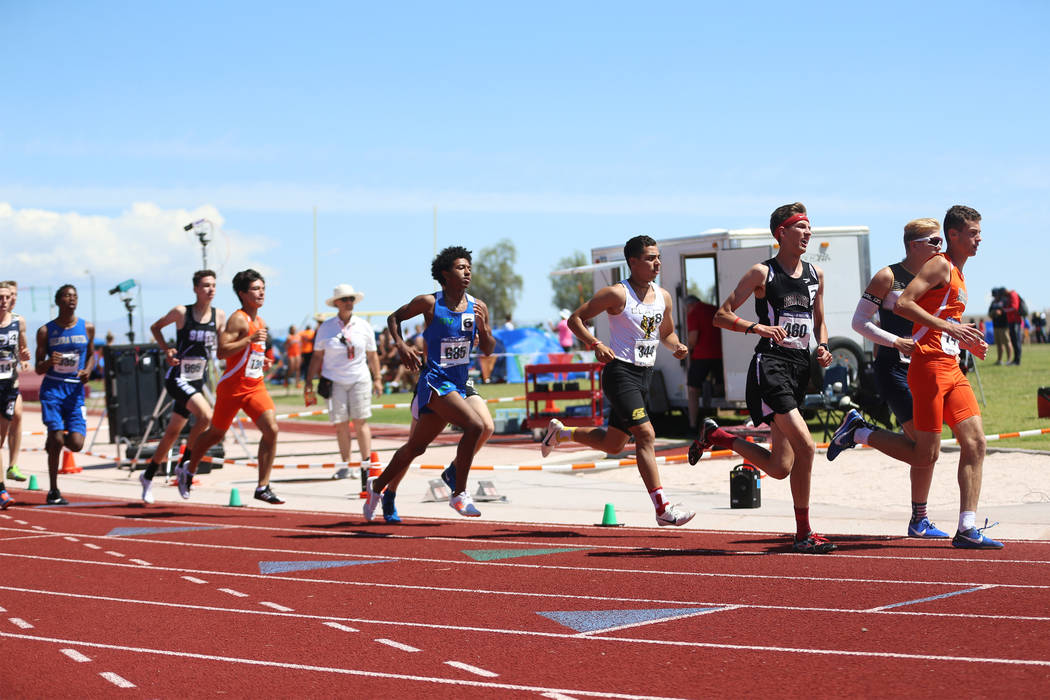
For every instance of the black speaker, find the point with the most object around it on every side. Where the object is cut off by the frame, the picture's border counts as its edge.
(134, 378)
(745, 487)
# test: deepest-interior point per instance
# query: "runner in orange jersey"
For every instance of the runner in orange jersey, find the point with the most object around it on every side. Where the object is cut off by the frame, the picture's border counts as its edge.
(242, 387)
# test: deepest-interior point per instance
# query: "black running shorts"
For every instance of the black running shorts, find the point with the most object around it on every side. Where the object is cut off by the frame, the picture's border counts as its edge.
(626, 387)
(181, 390)
(8, 396)
(774, 385)
(892, 378)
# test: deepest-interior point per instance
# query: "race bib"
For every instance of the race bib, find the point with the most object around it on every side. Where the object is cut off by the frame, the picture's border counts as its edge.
(7, 368)
(798, 326)
(254, 368)
(455, 351)
(645, 352)
(950, 345)
(193, 368)
(68, 363)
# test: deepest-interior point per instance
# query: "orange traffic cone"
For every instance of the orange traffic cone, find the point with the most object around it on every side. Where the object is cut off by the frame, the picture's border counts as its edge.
(68, 465)
(550, 407)
(375, 468)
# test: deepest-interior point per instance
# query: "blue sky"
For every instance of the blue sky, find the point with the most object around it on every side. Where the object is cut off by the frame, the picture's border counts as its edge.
(563, 126)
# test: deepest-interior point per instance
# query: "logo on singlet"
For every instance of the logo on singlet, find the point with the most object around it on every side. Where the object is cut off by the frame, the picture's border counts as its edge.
(650, 324)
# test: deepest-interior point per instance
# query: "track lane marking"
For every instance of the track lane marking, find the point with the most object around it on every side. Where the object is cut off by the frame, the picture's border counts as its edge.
(396, 645)
(141, 562)
(117, 680)
(276, 606)
(234, 593)
(194, 579)
(559, 635)
(338, 626)
(19, 622)
(341, 671)
(91, 546)
(115, 554)
(654, 621)
(928, 599)
(472, 669)
(75, 655)
(71, 539)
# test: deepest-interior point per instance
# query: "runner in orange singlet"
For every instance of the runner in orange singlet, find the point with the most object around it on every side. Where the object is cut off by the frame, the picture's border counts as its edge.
(935, 301)
(243, 345)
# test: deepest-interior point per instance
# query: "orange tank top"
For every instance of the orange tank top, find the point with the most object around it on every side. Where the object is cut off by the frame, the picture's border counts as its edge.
(245, 369)
(949, 303)
(306, 340)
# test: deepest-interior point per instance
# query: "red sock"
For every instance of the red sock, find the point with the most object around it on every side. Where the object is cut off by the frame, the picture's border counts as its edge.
(659, 501)
(721, 438)
(802, 528)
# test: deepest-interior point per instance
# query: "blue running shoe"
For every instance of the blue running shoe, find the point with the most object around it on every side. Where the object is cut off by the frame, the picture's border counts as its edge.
(974, 539)
(926, 530)
(389, 509)
(843, 437)
(449, 476)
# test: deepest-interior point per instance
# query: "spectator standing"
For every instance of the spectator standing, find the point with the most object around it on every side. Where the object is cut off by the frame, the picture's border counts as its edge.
(345, 354)
(705, 353)
(565, 336)
(293, 351)
(306, 347)
(1000, 326)
(1013, 318)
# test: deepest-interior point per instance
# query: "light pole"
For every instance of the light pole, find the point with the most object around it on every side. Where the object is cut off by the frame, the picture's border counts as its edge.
(94, 320)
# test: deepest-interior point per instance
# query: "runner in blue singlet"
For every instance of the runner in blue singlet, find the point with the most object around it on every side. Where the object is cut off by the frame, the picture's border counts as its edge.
(64, 358)
(454, 322)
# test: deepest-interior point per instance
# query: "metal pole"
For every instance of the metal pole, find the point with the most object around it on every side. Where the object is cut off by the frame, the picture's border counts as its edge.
(94, 316)
(315, 260)
(436, 285)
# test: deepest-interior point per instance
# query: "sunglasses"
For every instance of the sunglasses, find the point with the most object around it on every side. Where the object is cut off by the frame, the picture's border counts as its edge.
(345, 299)
(935, 241)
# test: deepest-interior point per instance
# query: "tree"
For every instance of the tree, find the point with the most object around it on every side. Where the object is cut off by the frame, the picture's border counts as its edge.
(494, 280)
(571, 290)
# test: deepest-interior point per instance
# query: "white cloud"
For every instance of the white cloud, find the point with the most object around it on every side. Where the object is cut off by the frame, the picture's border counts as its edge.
(144, 242)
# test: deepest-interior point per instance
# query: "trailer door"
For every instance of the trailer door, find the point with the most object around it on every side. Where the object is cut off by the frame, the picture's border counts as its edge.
(737, 348)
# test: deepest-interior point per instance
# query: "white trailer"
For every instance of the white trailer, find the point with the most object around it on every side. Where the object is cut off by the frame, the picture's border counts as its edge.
(712, 264)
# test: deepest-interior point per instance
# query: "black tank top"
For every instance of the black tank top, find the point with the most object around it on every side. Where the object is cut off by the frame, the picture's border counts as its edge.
(194, 344)
(888, 320)
(9, 351)
(788, 303)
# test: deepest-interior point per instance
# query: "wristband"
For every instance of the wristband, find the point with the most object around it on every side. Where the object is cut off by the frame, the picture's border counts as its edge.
(750, 328)
(593, 345)
(824, 345)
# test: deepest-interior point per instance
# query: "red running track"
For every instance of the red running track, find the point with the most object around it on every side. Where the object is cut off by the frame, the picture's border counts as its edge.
(109, 599)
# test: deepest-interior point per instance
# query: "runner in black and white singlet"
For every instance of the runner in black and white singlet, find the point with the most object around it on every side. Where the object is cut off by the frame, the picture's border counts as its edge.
(893, 348)
(13, 352)
(13, 422)
(789, 301)
(639, 321)
(196, 336)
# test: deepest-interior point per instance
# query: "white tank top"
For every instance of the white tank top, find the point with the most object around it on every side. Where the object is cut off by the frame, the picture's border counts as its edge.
(634, 333)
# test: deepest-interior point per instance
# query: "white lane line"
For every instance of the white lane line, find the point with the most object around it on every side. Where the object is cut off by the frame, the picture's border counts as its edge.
(70, 539)
(344, 628)
(370, 674)
(75, 655)
(2, 609)
(91, 546)
(141, 562)
(19, 622)
(472, 669)
(233, 592)
(397, 645)
(21, 522)
(117, 680)
(194, 579)
(114, 554)
(556, 696)
(275, 606)
(37, 527)
(5, 517)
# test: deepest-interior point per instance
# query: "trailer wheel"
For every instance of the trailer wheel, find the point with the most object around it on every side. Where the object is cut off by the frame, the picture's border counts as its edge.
(845, 352)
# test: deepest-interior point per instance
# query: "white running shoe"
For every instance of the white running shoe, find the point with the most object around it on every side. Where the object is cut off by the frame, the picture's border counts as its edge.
(550, 439)
(147, 488)
(373, 499)
(675, 514)
(341, 473)
(464, 505)
(184, 479)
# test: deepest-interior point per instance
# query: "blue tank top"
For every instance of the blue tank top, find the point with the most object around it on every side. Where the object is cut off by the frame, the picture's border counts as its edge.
(449, 339)
(72, 343)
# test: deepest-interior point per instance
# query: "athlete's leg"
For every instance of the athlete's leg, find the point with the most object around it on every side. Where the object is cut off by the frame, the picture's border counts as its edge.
(799, 443)
(267, 425)
(14, 434)
(609, 440)
(970, 434)
(645, 453)
(53, 447)
(426, 428)
(693, 395)
(199, 448)
(171, 433)
(453, 408)
(481, 409)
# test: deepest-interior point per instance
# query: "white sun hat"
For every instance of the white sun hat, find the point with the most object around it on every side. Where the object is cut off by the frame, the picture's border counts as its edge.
(344, 290)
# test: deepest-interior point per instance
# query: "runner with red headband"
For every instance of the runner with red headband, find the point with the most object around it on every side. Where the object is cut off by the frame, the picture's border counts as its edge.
(789, 301)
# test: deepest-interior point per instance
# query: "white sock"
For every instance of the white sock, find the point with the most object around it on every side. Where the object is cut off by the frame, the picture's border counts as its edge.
(967, 519)
(861, 435)
(657, 495)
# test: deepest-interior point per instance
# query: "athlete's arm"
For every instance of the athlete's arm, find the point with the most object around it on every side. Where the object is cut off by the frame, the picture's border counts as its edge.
(823, 353)
(609, 299)
(177, 316)
(43, 359)
(936, 272)
(83, 374)
(864, 316)
(220, 320)
(753, 282)
(23, 346)
(667, 333)
(411, 358)
(486, 341)
(234, 337)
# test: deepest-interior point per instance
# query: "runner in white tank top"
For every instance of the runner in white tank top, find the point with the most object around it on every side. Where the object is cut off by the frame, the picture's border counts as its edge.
(639, 320)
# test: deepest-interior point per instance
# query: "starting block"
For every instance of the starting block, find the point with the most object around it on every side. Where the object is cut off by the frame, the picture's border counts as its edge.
(437, 492)
(487, 493)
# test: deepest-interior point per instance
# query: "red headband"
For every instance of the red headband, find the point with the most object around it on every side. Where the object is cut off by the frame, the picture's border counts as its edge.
(791, 220)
